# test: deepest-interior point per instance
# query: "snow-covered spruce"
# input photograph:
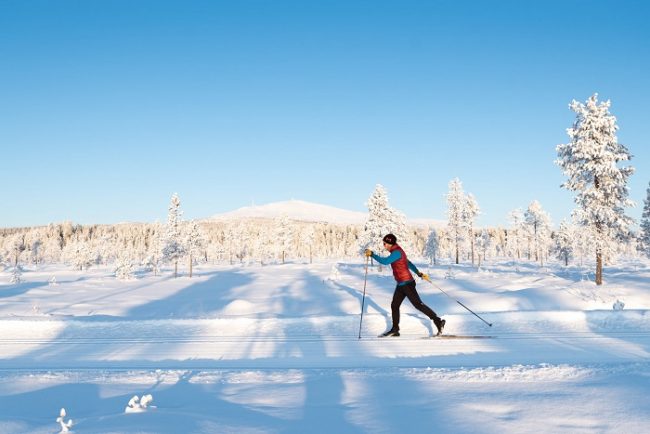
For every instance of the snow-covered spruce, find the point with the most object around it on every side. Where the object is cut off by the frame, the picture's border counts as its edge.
(16, 276)
(79, 254)
(590, 162)
(432, 246)
(382, 220)
(194, 243)
(565, 241)
(472, 210)
(483, 242)
(124, 266)
(644, 242)
(462, 210)
(538, 231)
(283, 237)
(173, 248)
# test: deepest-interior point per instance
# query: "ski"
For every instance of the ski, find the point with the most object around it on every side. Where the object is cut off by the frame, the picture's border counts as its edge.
(459, 337)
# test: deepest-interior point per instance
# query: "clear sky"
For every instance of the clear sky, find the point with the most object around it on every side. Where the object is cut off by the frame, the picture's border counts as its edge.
(109, 107)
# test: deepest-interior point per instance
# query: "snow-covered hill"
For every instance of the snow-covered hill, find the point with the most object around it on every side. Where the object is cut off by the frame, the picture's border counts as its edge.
(309, 212)
(296, 210)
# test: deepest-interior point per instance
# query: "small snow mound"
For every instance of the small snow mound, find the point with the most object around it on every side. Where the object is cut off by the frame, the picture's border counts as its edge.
(239, 307)
(450, 274)
(619, 305)
(334, 273)
(139, 405)
(65, 426)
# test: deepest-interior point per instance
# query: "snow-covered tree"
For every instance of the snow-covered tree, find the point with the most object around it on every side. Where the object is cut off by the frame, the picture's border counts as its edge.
(538, 228)
(16, 275)
(471, 211)
(173, 248)
(79, 255)
(382, 220)
(564, 242)
(153, 255)
(432, 246)
(194, 241)
(645, 225)
(35, 250)
(124, 266)
(583, 242)
(262, 242)
(51, 251)
(17, 247)
(307, 237)
(283, 236)
(590, 162)
(456, 216)
(236, 239)
(483, 243)
(515, 233)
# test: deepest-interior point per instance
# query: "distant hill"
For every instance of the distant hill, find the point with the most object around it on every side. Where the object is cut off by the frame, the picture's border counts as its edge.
(308, 212)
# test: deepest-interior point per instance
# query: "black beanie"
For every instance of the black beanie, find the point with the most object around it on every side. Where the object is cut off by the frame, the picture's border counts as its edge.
(390, 239)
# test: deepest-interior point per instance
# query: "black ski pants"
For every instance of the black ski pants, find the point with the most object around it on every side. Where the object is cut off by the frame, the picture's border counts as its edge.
(408, 291)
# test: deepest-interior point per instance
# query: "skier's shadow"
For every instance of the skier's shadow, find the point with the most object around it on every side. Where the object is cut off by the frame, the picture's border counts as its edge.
(368, 303)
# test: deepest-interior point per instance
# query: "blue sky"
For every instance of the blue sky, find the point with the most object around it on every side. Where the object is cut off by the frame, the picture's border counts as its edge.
(107, 108)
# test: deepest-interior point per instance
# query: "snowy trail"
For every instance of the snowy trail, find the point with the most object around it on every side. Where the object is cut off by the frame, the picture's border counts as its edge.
(323, 342)
(573, 336)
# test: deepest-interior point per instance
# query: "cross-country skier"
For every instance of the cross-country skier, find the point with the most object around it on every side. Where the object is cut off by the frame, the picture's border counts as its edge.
(405, 284)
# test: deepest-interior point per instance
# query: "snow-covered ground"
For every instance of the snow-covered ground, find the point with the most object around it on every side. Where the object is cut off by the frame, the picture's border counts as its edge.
(275, 349)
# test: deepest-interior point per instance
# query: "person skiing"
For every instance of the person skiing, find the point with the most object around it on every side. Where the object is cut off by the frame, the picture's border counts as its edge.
(405, 288)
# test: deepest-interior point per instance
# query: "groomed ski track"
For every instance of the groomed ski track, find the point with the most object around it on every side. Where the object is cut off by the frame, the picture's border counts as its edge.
(306, 343)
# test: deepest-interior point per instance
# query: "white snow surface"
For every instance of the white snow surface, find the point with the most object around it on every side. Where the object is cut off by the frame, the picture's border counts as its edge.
(275, 349)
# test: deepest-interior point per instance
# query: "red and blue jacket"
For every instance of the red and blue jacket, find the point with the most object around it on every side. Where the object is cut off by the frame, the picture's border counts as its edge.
(400, 265)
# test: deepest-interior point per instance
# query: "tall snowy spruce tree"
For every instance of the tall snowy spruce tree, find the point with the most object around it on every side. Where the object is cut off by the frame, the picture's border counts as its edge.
(457, 224)
(283, 239)
(173, 248)
(382, 220)
(194, 242)
(645, 225)
(538, 227)
(471, 211)
(483, 242)
(564, 242)
(515, 233)
(590, 161)
(432, 246)
(307, 237)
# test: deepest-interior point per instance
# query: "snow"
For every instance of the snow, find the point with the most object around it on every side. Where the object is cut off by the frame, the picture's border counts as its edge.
(301, 210)
(266, 349)
(296, 210)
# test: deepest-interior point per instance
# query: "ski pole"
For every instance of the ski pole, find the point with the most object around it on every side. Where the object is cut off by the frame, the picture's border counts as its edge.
(363, 302)
(470, 310)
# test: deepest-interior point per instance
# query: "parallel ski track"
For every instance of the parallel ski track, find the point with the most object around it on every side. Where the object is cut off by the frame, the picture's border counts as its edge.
(311, 338)
(210, 352)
